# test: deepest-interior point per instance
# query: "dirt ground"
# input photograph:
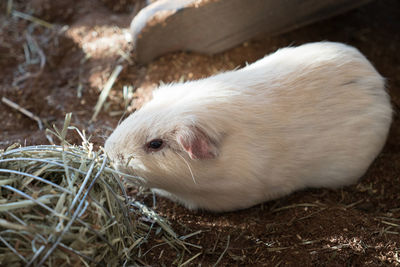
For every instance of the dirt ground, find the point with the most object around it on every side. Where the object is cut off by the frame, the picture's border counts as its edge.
(59, 68)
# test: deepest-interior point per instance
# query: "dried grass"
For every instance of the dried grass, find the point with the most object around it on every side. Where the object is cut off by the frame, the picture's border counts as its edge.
(64, 205)
(106, 90)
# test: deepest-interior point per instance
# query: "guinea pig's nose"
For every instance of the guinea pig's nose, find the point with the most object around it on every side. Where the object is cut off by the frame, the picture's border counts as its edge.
(117, 161)
(122, 167)
(115, 157)
(120, 157)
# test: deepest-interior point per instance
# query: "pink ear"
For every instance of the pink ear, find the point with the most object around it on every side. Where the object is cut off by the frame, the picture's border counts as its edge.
(197, 144)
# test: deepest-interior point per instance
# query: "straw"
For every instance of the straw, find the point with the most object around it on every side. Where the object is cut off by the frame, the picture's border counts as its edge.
(106, 91)
(65, 203)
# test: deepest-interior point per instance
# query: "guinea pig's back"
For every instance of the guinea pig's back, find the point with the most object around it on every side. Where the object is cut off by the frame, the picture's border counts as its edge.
(316, 115)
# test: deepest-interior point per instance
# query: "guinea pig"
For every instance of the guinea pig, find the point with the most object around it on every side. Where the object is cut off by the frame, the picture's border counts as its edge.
(315, 115)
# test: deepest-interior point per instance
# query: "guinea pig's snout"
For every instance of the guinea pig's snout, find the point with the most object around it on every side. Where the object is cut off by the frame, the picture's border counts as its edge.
(118, 161)
(117, 158)
(112, 153)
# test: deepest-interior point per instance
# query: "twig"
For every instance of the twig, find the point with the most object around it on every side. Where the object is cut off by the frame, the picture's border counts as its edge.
(24, 111)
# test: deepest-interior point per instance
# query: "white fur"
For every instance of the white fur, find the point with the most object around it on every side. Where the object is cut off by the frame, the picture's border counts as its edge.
(316, 115)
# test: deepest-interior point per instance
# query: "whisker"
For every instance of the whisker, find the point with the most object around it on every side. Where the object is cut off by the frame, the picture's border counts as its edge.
(123, 116)
(187, 163)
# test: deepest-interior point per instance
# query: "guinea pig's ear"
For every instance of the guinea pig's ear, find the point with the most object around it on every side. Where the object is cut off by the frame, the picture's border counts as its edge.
(196, 143)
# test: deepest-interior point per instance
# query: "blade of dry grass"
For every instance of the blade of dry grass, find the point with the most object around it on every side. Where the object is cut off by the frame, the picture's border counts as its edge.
(190, 260)
(9, 7)
(106, 90)
(13, 249)
(33, 19)
(297, 205)
(223, 253)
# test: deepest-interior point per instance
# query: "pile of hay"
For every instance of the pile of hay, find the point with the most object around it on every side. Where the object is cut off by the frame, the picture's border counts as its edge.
(66, 205)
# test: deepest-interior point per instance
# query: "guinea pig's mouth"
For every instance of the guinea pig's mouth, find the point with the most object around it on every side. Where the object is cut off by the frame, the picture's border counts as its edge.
(128, 173)
(131, 177)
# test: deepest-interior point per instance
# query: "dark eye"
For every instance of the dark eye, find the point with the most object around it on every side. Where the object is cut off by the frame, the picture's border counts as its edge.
(155, 144)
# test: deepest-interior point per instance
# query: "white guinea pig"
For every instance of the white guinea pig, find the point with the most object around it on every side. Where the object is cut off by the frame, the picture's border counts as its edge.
(316, 115)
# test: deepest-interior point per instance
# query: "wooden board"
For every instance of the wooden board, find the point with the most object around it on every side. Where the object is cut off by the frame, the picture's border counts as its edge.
(212, 26)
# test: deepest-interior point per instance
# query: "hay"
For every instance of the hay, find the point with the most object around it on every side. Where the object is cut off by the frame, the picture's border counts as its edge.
(28, 17)
(65, 205)
(24, 111)
(106, 90)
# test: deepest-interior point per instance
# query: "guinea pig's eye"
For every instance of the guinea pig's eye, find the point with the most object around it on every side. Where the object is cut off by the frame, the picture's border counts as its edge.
(155, 145)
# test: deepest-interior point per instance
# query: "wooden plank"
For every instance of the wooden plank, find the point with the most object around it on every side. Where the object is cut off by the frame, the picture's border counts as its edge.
(212, 26)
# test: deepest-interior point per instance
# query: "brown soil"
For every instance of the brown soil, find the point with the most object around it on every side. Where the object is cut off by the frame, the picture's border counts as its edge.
(356, 226)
